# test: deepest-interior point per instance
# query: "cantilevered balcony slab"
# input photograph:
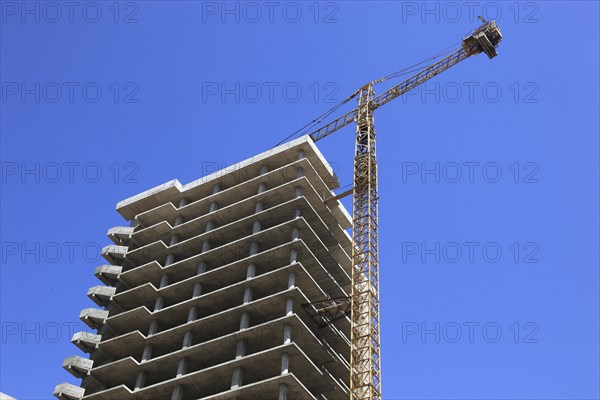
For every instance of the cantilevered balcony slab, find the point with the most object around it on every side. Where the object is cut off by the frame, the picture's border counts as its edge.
(257, 390)
(93, 317)
(229, 292)
(224, 255)
(108, 274)
(260, 310)
(215, 300)
(232, 233)
(286, 153)
(176, 316)
(268, 387)
(212, 380)
(317, 214)
(149, 272)
(225, 197)
(67, 391)
(114, 254)
(184, 270)
(218, 350)
(148, 199)
(101, 295)
(77, 366)
(86, 341)
(279, 178)
(120, 234)
(221, 234)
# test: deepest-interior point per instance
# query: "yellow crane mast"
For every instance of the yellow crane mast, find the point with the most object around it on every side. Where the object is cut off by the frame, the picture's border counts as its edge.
(363, 303)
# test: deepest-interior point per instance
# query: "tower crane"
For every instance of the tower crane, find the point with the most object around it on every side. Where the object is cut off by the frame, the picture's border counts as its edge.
(363, 303)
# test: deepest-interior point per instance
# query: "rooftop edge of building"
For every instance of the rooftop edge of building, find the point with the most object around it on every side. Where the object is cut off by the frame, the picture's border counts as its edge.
(167, 191)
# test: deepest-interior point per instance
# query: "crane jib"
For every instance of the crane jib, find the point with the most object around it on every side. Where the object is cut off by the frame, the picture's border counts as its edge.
(484, 39)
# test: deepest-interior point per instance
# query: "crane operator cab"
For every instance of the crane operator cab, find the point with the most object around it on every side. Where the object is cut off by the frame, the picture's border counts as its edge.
(483, 39)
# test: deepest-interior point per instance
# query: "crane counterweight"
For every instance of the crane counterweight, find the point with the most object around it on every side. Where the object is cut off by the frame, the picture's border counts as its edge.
(484, 39)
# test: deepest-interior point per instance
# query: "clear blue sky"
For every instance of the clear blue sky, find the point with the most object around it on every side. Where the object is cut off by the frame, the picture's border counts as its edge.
(488, 175)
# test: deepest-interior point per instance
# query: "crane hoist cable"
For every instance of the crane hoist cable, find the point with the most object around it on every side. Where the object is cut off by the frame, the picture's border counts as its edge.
(407, 70)
(411, 69)
(319, 119)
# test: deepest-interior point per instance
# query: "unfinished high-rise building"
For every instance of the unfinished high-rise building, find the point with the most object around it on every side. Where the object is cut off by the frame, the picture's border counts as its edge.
(203, 293)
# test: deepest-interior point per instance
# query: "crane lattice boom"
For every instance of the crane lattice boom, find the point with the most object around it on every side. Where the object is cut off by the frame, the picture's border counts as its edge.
(488, 32)
(365, 364)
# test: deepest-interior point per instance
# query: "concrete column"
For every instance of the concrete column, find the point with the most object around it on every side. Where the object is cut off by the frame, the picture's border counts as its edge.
(289, 306)
(178, 220)
(297, 212)
(251, 271)
(140, 381)
(164, 281)
(205, 246)
(247, 295)
(192, 314)
(216, 189)
(256, 227)
(291, 280)
(177, 393)
(210, 225)
(299, 172)
(301, 154)
(298, 191)
(244, 321)
(295, 233)
(214, 206)
(197, 290)
(147, 354)
(262, 187)
(174, 240)
(182, 367)
(153, 327)
(240, 350)
(169, 260)
(259, 207)
(285, 363)
(263, 169)
(183, 202)
(237, 377)
(293, 256)
(253, 248)
(159, 304)
(201, 268)
(287, 334)
(283, 392)
(188, 339)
